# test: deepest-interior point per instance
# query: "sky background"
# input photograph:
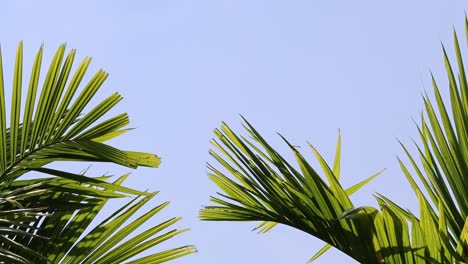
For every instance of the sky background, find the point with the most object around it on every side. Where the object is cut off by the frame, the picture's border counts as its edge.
(302, 68)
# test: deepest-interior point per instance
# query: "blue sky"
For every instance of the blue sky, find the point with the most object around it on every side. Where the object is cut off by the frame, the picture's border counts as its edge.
(302, 68)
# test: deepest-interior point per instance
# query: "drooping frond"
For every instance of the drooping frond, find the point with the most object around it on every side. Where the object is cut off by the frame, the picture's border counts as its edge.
(258, 184)
(265, 187)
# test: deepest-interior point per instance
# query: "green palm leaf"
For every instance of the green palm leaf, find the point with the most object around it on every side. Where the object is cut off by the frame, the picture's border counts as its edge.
(270, 189)
(46, 220)
(258, 184)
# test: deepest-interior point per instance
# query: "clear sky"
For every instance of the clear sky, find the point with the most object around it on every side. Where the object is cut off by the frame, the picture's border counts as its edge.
(303, 68)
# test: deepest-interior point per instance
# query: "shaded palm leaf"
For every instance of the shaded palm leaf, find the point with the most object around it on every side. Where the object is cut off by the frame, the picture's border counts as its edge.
(71, 207)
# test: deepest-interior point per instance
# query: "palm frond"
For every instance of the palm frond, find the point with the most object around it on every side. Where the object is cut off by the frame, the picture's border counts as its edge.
(444, 149)
(46, 220)
(265, 187)
(57, 128)
(269, 189)
(260, 185)
(58, 212)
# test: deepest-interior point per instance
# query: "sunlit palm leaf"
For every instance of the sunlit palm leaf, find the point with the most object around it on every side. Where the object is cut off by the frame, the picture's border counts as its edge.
(444, 153)
(56, 127)
(42, 220)
(270, 189)
(267, 188)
